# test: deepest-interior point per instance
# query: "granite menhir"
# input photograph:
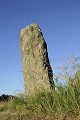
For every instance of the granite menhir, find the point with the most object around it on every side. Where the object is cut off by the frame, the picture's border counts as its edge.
(37, 70)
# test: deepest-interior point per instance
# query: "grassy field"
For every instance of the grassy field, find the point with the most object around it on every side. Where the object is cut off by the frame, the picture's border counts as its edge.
(62, 103)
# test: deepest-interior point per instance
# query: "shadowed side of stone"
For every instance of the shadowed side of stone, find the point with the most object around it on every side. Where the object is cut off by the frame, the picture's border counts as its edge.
(37, 71)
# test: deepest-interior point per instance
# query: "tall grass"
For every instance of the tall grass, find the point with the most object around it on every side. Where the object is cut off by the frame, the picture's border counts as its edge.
(65, 98)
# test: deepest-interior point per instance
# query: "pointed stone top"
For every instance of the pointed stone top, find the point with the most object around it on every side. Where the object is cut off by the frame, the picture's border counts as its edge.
(33, 25)
(32, 28)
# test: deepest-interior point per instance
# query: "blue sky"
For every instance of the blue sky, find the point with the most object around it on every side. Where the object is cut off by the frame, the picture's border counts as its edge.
(59, 21)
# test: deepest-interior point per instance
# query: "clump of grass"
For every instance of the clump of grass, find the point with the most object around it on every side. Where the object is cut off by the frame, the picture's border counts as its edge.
(67, 95)
(67, 98)
(42, 102)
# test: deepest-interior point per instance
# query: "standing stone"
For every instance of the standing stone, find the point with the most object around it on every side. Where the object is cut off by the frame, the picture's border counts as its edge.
(37, 71)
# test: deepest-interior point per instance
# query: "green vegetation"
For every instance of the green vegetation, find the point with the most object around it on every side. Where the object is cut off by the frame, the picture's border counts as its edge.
(64, 99)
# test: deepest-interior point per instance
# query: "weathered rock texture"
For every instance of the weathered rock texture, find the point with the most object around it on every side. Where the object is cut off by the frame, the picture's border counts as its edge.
(37, 71)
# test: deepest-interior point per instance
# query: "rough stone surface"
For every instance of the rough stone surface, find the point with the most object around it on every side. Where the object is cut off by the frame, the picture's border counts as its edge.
(37, 71)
